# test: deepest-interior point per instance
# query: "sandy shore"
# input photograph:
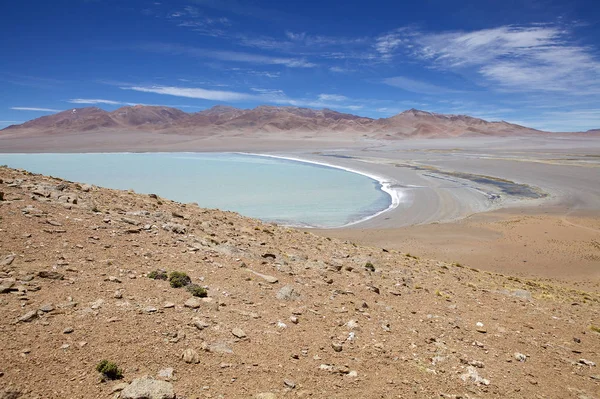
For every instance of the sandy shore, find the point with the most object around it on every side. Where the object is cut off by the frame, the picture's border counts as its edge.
(456, 202)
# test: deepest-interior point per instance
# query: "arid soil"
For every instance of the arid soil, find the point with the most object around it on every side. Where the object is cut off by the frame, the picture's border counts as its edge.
(288, 313)
(519, 242)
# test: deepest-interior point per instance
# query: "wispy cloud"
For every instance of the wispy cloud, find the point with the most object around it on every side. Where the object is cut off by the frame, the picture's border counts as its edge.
(417, 86)
(535, 58)
(332, 97)
(565, 121)
(35, 109)
(190, 92)
(234, 56)
(260, 95)
(97, 101)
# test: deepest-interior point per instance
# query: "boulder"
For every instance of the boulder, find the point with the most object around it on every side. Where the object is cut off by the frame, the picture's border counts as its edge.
(148, 388)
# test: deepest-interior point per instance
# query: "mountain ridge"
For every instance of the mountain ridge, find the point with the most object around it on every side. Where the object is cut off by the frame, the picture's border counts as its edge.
(266, 119)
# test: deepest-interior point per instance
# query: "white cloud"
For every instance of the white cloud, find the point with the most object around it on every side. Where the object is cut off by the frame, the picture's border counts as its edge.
(269, 96)
(417, 86)
(234, 56)
(190, 92)
(387, 44)
(35, 109)
(332, 97)
(565, 121)
(96, 101)
(540, 58)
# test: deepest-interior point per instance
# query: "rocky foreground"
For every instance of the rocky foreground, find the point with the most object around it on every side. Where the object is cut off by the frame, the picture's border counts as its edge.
(288, 314)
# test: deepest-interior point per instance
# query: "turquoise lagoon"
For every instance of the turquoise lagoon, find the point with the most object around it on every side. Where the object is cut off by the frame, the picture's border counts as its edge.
(273, 189)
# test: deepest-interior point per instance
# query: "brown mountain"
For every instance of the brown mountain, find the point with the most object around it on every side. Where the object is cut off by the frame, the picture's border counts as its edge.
(266, 120)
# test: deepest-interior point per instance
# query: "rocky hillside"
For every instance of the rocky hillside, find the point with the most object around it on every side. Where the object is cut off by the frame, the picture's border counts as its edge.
(286, 313)
(274, 121)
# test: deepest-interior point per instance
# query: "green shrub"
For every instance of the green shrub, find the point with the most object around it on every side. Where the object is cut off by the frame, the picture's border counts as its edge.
(157, 275)
(369, 266)
(109, 370)
(179, 279)
(197, 290)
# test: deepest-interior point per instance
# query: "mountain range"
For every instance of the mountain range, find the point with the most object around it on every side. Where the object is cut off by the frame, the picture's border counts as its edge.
(265, 121)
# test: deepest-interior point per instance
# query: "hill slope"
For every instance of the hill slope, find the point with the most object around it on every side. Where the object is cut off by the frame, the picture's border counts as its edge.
(266, 120)
(287, 313)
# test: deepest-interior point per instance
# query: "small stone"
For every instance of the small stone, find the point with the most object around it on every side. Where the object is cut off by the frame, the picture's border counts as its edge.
(238, 333)
(520, 357)
(27, 317)
(289, 383)
(265, 395)
(288, 293)
(148, 388)
(266, 277)
(200, 324)
(587, 362)
(47, 307)
(168, 305)
(51, 275)
(281, 325)
(113, 279)
(337, 346)
(7, 261)
(166, 373)
(150, 309)
(294, 319)
(119, 387)
(68, 330)
(190, 356)
(193, 303)
(118, 294)
(352, 374)
(65, 346)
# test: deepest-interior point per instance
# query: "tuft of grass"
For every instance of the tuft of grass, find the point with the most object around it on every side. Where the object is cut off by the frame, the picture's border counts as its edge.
(179, 279)
(158, 275)
(109, 370)
(595, 329)
(197, 290)
(369, 266)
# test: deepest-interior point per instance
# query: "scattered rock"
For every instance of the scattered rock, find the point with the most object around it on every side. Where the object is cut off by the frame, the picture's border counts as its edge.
(200, 324)
(119, 387)
(266, 277)
(168, 305)
(337, 347)
(175, 228)
(68, 330)
(520, 357)
(166, 373)
(27, 317)
(288, 293)
(7, 261)
(289, 383)
(47, 307)
(150, 309)
(52, 275)
(473, 376)
(193, 303)
(10, 394)
(238, 333)
(265, 395)
(148, 388)
(190, 356)
(587, 362)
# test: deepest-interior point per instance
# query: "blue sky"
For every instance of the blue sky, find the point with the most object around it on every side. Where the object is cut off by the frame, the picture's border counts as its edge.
(534, 62)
